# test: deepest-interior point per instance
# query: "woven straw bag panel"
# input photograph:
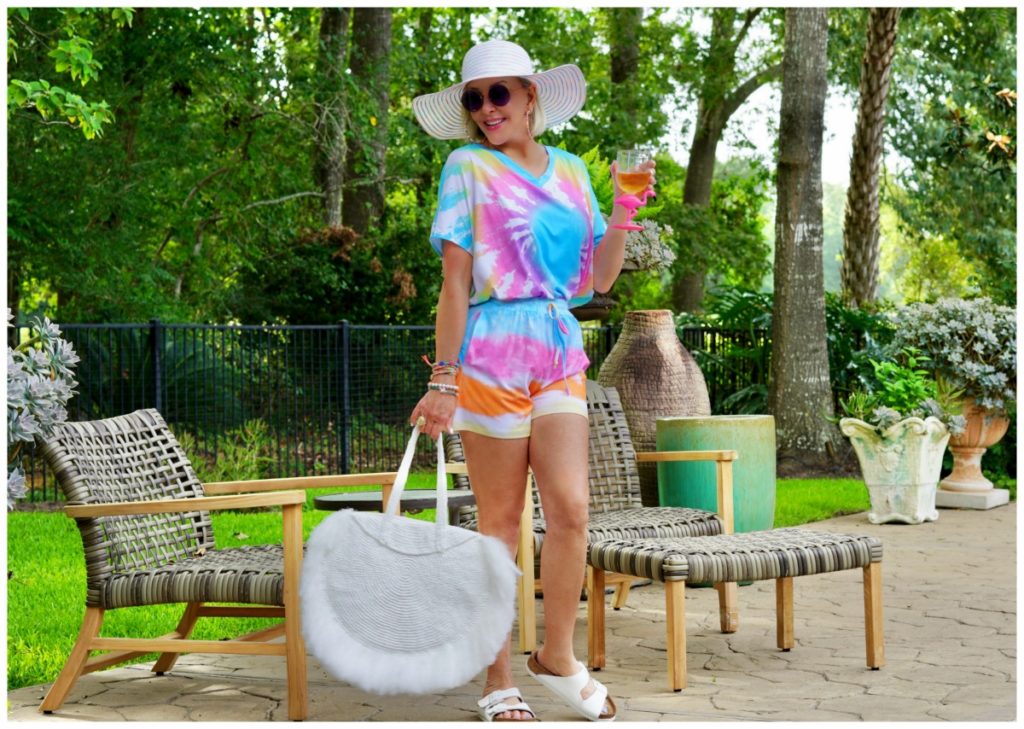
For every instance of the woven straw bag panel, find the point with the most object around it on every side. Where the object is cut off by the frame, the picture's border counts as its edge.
(131, 457)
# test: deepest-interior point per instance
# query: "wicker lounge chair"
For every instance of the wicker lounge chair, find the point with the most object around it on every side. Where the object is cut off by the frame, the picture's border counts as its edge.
(615, 508)
(145, 525)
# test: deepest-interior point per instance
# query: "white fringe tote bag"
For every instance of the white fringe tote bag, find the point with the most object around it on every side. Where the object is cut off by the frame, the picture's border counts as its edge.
(397, 605)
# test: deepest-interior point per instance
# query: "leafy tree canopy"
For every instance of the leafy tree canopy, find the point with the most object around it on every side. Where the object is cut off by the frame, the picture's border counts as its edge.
(160, 159)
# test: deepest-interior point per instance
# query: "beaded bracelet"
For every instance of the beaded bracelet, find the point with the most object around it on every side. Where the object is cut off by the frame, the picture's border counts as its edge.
(442, 367)
(443, 387)
(447, 392)
(440, 363)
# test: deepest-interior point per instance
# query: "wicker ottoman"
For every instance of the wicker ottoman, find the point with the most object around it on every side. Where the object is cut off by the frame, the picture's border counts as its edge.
(776, 554)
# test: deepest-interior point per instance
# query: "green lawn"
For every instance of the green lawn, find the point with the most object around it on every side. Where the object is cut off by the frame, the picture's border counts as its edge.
(803, 500)
(46, 588)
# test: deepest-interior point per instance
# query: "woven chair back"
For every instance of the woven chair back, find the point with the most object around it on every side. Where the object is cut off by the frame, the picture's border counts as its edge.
(614, 480)
(131, 457)
(453, 452)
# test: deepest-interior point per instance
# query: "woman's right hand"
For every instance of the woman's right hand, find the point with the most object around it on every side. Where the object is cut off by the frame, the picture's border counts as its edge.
(438, 410)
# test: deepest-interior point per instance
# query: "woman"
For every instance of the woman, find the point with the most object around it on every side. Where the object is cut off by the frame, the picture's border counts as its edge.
(521, 240)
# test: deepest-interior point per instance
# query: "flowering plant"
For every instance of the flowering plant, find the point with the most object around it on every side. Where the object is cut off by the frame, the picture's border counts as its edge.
(40, 381)
(972, 343)
(647, 249)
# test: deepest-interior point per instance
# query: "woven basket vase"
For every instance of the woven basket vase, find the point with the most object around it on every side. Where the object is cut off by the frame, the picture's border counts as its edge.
(656, 377)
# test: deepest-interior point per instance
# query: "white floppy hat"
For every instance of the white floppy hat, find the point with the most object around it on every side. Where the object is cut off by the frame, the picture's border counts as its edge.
(561, 90)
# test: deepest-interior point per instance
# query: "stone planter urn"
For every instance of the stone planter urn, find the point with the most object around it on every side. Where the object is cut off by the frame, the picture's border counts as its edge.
(901, 467)
(655, 377)
(984, 429)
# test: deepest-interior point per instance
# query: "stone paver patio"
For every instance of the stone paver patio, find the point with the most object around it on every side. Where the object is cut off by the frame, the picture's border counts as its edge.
(950, 642)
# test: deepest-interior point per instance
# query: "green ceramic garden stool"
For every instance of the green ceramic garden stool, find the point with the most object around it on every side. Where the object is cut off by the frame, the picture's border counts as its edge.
(693, 484)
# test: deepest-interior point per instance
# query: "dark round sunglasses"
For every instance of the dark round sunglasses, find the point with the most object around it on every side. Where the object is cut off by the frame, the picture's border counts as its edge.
(473, 100)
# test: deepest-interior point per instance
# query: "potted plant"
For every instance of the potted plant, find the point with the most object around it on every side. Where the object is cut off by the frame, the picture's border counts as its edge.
(899, 427)
(40, 381)
(972, 344)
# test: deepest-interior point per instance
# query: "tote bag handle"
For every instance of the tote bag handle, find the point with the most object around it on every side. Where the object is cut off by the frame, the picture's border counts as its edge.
(394, 502)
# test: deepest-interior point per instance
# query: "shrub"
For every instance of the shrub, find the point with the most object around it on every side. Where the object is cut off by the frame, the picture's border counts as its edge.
(242, 454)
(972, 343)
(902, 388)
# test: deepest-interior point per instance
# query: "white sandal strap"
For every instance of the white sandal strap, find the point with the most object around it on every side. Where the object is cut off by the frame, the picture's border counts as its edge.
(501, 707)
(594, 704)
(494, 703)
(499, 695)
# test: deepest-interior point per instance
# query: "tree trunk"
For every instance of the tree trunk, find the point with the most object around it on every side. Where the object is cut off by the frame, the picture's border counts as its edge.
(329, 106)
(135, 57)
(860, 224)
(623, 40)
(720, 96)
(371, 73)
(688, 289)
(422, 36)
(800, 394)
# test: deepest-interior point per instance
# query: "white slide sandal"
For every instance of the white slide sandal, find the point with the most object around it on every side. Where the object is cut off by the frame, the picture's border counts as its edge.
(570, 688)
(495, 703)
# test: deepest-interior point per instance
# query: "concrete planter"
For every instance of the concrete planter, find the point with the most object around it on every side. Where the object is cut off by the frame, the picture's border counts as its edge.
(901, 467)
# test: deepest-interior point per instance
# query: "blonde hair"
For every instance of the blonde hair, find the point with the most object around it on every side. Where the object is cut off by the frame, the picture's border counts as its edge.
(538, 122)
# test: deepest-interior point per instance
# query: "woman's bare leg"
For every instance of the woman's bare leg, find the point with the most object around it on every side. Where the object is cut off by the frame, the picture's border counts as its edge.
(497, 473)
(558, 456)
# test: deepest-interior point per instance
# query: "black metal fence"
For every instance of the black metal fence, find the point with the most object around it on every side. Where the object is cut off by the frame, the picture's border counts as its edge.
(335, 399)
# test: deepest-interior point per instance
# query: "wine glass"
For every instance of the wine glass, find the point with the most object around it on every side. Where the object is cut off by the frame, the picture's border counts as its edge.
(634, 182)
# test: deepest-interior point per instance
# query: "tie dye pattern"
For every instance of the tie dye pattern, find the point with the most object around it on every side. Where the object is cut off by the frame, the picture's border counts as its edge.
(530, 237)
(532, 240)
(520, 360)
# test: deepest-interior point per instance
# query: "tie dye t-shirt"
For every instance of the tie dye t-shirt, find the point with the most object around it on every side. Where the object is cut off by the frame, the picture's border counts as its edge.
(530, 237)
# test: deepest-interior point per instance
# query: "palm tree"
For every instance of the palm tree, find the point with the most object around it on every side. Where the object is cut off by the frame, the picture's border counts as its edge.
(860, 224)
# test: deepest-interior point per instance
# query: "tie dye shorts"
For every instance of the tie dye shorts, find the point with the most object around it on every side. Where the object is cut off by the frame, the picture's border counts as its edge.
(520, 360)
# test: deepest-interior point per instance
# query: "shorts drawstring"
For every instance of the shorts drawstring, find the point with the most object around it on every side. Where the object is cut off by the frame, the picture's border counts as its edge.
(562, 335)
(561, 319)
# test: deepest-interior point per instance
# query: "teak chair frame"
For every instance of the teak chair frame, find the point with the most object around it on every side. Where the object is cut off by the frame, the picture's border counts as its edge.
(288, 493)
